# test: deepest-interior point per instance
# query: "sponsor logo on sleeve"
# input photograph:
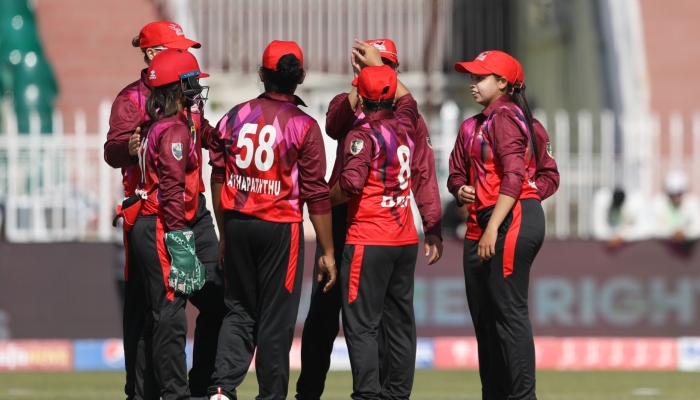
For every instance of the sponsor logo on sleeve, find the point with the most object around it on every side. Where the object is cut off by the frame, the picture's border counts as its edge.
(177, 151)
(356, 146)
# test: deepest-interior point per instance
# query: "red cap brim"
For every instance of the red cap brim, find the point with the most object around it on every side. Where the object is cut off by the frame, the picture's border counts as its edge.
(470, 67)
(182, 44)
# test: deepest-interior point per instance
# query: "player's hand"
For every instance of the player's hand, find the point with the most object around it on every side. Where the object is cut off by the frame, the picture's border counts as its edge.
(466, 194)
(222, 249)
(367, 54)
(326, 265)
(487, 244)
(135, 142)
(433, 243)
(356, 68)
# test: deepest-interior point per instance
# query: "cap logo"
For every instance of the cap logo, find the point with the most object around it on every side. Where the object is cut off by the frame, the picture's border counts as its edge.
(152, 76)
(177, 29)
(356, 146)
(483, 55)
(379, 45)
(177, 150)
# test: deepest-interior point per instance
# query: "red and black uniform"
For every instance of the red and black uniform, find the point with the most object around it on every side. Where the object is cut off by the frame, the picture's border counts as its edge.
(493, 154)
(320, 327)
(271, 161)
(129, 113)
(377, 271)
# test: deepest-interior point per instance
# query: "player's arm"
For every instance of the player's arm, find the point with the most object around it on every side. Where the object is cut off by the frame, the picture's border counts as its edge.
(547, 174)
(458, 179)
(171, 175)
(341, 115)
(509, 146)
(313, 190)
(357, 156)
(124, 121)
(217, 162)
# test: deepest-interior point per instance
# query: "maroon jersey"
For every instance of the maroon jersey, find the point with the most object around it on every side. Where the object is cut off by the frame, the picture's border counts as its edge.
(270, 156)
(377, 177)
(128, 113)
(170, 168)
(546, 174)
(340, 119)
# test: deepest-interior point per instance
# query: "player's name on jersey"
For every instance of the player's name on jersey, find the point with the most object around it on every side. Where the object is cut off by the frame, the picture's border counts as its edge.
(254, 185)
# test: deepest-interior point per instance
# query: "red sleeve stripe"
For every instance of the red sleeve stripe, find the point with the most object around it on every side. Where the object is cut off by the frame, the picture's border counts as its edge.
(293, 258)
(355, 268)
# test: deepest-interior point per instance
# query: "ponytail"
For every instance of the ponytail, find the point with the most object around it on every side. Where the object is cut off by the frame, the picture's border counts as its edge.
(517, 95)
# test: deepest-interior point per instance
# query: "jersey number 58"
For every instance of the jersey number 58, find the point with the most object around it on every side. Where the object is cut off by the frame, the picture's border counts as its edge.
(263, 152)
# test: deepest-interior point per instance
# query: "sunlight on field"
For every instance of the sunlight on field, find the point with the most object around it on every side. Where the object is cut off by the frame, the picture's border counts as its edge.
(429, 385)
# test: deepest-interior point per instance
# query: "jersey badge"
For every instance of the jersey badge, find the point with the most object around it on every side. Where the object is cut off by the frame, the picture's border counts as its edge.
(549, 149)
(356, 146)
(177, 151)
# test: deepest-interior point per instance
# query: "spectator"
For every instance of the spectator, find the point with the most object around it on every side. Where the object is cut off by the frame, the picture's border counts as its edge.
(618, 217)
(677, 212)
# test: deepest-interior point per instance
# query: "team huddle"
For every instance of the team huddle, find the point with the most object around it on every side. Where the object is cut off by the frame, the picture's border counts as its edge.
(268, 162)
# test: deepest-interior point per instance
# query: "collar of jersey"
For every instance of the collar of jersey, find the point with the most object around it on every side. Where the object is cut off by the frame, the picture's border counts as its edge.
(144, 78)
(288, 98)
(376, 116)
(496, 104)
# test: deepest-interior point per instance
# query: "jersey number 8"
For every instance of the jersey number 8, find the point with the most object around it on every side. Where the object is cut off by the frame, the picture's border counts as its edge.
(266, 139)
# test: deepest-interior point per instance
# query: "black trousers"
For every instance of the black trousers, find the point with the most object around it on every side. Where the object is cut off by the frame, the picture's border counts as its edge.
(264, 264)
(152, 263)
(322, 322)
(497, 293)
(377, 288)
(133, 322)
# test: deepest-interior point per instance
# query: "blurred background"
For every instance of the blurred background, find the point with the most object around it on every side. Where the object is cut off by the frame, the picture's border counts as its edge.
(617, 283)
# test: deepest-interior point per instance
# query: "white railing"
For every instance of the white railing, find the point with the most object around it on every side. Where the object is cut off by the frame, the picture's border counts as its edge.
(236, 32)
(58, 187)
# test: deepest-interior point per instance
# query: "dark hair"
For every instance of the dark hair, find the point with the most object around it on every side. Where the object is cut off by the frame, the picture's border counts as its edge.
(287, 76)
(137, 43)
(517, 95)
(162, 102)
(393, 65)
(374, 105)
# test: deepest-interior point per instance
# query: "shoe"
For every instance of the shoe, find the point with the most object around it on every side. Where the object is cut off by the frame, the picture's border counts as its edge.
(218, 395)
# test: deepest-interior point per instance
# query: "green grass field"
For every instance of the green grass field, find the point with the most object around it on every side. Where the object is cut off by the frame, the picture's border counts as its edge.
(429, 385)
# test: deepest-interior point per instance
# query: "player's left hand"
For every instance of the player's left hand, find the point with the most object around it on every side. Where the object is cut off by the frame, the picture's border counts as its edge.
(367, 54)
(135, 142)
(433, 243)
(487, 244)
(326, 266)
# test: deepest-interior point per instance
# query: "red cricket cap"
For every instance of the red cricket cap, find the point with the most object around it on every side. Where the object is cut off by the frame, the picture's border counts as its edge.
(278, 49)
(167, 34)
(493, 62)
(376, 83)
(171, 65)
(387, 48)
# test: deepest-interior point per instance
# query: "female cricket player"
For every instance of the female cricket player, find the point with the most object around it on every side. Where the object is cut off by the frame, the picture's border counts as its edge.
(268, 162)
(128, 118)
(498, 152)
